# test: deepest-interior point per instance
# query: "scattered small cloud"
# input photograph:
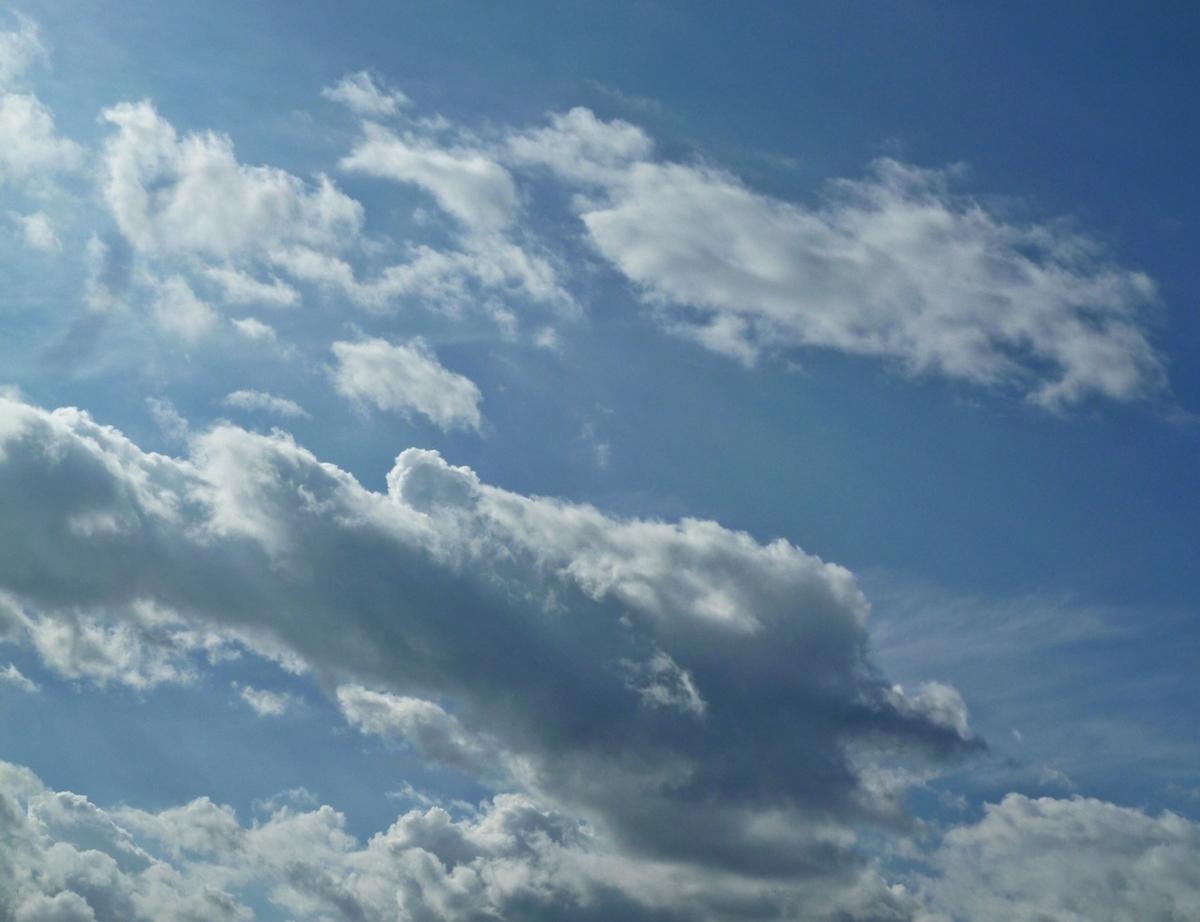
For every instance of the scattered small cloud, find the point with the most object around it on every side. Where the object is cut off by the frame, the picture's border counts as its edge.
(265, 703)
(406, 377)
(11, 675)
(254, 329)
(257, 400)
(364, 96)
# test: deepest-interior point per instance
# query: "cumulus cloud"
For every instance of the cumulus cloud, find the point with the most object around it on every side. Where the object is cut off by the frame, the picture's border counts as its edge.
(466, 183)
(1077, 860)
(192, 196)
(523, 614)
(474, 188)
(29, 143)
(257, 400)
(363, 96)
(144, 647)
(66, 858)
(406, 377)
(893, 266)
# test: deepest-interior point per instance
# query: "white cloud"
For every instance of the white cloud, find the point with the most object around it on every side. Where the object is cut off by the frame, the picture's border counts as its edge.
(473, 187)
(179, 312)
(11, 675)
(363, 96)
(191, 196)
(579, 147)
(240, 288)
(257, 400)
(144, 648)
(1077, 860)
(522, 614)
(466, 183)
(172, 423)
(893, 266)
(254, 329)
(38, 231)
(265, 703)
(29, 144)
(437, 736)
(406, 377)
(18, 50)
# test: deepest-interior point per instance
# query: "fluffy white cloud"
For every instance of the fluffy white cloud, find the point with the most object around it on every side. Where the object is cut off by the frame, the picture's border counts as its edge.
(362, 95)
(406, 377)
(466, 183)
(528, 616)
(473, 187)
(893, 266)
(191, 196)
(257, 400)
(29, 143)
(1078, 860)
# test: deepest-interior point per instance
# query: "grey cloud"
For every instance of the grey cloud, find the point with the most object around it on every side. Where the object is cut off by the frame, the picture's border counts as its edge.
(511, 858)
(524, 613)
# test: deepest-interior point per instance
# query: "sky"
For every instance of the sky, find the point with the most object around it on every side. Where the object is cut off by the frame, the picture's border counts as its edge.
(605, 461)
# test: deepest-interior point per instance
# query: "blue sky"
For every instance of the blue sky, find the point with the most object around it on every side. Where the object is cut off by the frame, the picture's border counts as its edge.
(607, 461)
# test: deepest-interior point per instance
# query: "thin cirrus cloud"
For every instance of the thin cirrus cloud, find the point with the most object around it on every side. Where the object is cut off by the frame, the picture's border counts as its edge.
(407, 378)
(524, 613)
(892, 266)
